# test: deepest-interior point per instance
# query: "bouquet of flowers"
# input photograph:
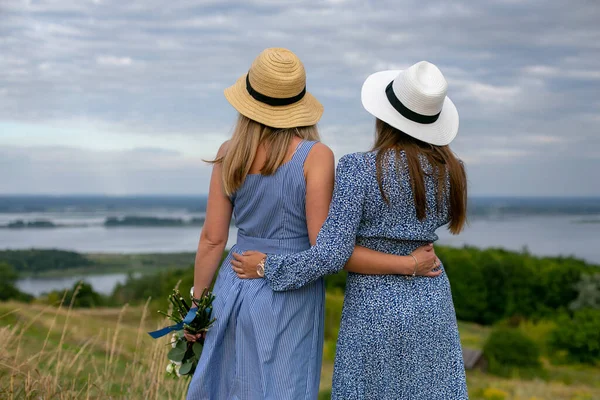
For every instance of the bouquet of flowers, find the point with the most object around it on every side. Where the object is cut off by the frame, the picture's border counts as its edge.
(196, 319)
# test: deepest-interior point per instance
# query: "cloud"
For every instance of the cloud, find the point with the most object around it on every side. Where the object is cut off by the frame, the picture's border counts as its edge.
(546, 71)
(33, 170)
(114, 61)
(525, 72)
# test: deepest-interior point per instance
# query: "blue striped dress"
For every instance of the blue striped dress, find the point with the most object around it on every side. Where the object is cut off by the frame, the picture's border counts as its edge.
(265, 344)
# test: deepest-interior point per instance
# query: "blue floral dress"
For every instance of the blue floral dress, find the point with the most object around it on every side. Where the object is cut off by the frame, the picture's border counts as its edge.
(398, 337)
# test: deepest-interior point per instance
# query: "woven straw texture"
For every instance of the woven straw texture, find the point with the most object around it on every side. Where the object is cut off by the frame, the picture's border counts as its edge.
(277, 73)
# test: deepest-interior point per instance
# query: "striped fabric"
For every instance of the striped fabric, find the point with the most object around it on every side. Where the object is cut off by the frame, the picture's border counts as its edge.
(265, 344)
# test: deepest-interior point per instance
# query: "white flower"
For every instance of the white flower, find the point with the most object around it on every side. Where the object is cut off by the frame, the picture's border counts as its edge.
(174, 340)
(177, 366)
(171, 368)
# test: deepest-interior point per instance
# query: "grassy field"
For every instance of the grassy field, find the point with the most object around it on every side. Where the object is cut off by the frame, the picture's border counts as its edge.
(58, 353)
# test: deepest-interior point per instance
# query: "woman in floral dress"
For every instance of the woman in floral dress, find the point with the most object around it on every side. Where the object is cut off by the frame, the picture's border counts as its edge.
(398, 337)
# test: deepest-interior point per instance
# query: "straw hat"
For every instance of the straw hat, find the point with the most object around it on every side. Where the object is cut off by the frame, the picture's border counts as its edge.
(413, 101)
(274, 92)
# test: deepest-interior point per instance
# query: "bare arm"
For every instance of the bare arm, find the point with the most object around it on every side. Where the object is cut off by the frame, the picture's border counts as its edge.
(370, 262)
(360, 259)
(319, 170)
(214, 232)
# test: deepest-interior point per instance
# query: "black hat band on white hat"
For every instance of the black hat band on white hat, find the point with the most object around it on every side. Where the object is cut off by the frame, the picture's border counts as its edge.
(405, 111)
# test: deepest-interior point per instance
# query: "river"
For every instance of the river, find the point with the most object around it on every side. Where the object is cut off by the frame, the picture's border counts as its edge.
(541, 235)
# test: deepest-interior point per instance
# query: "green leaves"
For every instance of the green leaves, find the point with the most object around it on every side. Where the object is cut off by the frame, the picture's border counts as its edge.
(177, 353)
(186, 367)
(197, 349)
(186, 354)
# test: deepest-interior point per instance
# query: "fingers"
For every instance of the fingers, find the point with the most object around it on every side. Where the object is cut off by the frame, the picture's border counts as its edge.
(238, 257)
(242, 273)
(236, 266)
(237, 270)
(189, 337)
(433, 274)
(428, 248)
(194, 338)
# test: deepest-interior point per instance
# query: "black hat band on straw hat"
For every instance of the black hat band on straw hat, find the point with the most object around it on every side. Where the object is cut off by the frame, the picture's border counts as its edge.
(273, 101)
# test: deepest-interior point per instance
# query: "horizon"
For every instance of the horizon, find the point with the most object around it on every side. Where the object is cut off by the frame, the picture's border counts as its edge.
(203, 195)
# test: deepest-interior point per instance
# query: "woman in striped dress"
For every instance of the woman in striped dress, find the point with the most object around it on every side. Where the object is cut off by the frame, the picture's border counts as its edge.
(398, 337)
(277, 180)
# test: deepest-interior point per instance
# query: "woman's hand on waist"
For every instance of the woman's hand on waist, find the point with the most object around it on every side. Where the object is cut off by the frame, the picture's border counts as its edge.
(249, 264)
(426, 261)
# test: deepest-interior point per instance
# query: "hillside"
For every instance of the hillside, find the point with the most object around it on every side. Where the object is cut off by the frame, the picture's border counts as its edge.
(94, 354)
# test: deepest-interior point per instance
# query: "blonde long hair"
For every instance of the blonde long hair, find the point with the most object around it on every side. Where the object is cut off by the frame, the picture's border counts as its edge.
(243, 145)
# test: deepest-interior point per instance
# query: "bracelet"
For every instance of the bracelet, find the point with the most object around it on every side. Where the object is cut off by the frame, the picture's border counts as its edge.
(194, 299)
(260, 268)
(416, 266)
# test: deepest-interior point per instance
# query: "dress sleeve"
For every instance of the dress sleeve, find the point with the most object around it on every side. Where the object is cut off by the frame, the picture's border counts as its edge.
(335, 242)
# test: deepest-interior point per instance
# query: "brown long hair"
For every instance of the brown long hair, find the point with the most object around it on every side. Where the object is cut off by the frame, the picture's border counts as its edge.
(247, 136)
(390, 141)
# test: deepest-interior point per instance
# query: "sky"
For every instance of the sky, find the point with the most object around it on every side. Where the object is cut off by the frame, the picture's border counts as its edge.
(126, 97)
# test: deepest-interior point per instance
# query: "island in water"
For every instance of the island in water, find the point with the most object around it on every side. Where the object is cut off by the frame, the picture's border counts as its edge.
(151, 221)
(19, 224)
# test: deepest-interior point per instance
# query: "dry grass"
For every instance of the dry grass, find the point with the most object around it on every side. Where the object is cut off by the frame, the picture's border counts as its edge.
(483, 386)
(63, 353)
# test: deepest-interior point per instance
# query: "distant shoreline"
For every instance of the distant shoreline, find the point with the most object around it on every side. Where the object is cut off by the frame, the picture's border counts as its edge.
(111, 263)
(196, 204)
(109, 222)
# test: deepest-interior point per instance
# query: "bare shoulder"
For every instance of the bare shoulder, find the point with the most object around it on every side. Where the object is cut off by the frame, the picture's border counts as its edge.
(320, 160)
(223, 149)
(320, 153)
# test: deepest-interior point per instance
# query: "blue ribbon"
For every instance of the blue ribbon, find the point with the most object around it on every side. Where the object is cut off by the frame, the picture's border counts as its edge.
(177, 327)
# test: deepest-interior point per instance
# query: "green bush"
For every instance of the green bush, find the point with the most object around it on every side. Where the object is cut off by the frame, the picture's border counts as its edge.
(588, 289)
(325, 395)
(508, 351)
(81, 295)
(156, 286)
(8, 290)
(336, 281)
(494, 284)
(34, 261)
(578, 335)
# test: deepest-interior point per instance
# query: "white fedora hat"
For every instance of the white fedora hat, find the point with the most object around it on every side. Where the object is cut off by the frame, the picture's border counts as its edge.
(413, 101)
